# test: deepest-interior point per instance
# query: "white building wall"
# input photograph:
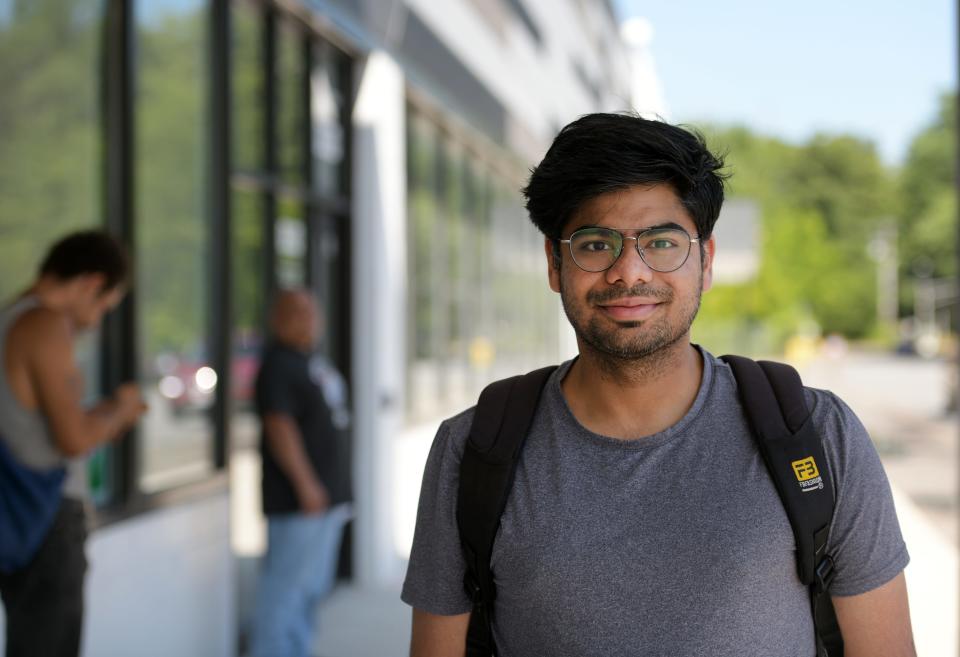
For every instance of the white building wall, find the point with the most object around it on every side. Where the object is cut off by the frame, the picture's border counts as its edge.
(537, 83)
(162, 584)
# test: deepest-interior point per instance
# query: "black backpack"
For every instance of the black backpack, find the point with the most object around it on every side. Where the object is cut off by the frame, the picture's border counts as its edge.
(773, 399)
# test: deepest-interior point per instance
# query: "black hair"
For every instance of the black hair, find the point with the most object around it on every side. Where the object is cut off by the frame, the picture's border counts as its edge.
(600, 153)
(88, 252)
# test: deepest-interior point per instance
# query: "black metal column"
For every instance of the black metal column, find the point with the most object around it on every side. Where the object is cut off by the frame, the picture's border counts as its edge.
(271, 159)
(118, 338)
(219, 265)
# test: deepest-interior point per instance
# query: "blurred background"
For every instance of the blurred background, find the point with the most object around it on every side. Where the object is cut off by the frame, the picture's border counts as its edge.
(373, 150)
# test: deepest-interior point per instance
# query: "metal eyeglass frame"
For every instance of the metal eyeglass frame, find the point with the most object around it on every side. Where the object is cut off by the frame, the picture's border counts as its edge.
(636, 240)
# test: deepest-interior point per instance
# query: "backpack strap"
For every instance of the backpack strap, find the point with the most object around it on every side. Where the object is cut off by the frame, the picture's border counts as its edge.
(501, 422)
(775, 405)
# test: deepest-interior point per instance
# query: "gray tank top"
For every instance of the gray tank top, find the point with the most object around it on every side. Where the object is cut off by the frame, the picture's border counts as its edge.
(25, 432)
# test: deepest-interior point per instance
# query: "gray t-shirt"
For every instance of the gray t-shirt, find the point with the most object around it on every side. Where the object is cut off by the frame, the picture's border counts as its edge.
(673, 544)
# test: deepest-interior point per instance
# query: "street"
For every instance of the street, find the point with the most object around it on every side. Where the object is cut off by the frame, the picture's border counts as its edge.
(903, 402)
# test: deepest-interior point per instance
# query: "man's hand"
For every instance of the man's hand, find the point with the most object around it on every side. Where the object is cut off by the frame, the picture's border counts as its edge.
(45, 376)
(129, 403)
(313, 497)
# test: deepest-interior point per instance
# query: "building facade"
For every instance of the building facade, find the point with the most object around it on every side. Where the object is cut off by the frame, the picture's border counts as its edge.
(372, 150)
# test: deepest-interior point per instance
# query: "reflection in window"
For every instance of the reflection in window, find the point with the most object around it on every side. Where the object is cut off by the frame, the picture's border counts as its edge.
(291, 244)
(481, 308)
(247, 87)
(292, 105)
(100, 462)
(49, 130)
(423, 382)
(456, 252)
(328, 283)
(172, 234)
(327, 88)
(249, 313)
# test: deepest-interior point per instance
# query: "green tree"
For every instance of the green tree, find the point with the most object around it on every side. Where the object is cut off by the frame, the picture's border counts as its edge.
(820, 204)
(49, 130)
(927, 217)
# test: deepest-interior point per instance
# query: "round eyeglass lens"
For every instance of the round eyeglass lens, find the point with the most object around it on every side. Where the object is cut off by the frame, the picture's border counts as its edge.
(595, 249)
(664, 250)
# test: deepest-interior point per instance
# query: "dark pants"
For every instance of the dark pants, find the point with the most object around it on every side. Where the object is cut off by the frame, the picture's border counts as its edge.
(44, 599)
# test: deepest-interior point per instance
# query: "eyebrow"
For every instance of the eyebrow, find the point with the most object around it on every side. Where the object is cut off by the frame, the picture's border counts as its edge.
(661, 226)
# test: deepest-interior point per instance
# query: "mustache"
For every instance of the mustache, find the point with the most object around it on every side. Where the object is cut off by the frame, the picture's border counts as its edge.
(640, 290)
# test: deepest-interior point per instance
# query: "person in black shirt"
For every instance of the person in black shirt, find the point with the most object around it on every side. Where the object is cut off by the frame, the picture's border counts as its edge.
(301, 401)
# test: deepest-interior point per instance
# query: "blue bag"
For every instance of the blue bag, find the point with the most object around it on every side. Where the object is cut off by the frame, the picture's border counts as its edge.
(29, 500)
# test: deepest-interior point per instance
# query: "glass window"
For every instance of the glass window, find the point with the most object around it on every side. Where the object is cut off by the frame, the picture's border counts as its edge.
(475, 315)
(328, 105)
(454, 281)
(247, 87)
(173, 242)
(249, 312)
(291, 104)
(328, 283)
(50, 173)
(291, 244)
(480, 304)
(426, 249)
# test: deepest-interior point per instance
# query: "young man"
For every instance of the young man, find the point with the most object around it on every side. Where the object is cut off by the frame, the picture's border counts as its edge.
(642, 520)
(302, 403)
(43, 425)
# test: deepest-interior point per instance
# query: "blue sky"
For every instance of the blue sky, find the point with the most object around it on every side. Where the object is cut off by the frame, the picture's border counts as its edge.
(791, 69)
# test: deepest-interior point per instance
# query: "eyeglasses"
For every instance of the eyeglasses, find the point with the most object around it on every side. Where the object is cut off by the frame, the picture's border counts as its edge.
(596, 249)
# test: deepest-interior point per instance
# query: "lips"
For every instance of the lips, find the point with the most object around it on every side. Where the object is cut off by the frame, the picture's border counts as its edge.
(630, 309)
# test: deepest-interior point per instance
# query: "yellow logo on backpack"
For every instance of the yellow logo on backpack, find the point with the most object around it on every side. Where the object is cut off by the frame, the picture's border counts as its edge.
(807, 474)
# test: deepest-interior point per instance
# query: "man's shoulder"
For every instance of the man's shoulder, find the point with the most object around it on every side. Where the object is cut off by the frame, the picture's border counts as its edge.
(40, 328)
(455, 430)
(44, 320)
(820, 402)
(835, 420)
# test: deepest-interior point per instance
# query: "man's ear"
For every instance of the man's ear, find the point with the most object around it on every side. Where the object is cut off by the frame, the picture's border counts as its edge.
(709, 249)
(552, 250)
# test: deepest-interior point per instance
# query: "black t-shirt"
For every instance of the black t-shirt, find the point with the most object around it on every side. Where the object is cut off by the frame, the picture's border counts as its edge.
(310, 391)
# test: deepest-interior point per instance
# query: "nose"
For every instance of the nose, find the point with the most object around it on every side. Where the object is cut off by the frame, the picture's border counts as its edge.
(629, 268)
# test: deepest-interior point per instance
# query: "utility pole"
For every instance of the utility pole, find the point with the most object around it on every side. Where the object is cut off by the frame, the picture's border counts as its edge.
(956, 170)
(883, 250)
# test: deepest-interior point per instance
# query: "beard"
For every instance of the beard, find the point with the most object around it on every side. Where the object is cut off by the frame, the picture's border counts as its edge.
(646, 340)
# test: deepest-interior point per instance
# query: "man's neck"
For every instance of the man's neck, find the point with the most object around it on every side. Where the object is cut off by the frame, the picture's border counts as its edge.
(294, 345)
(636, 398)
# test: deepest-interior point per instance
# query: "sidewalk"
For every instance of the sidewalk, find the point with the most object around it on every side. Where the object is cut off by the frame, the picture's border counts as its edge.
(358, 622)
(932, 582)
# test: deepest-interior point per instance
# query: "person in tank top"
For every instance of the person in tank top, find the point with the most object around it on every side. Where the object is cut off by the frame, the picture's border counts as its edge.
(44, 424)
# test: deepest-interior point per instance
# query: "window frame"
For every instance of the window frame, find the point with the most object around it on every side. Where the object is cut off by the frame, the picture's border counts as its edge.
(118, 345)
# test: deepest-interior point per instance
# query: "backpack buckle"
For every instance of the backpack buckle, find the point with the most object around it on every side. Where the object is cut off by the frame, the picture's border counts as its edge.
(823, 575)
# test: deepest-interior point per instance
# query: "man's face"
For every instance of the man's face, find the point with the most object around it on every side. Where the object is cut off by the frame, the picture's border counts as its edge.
(631, 311)
(297, 321)
(92, 302)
